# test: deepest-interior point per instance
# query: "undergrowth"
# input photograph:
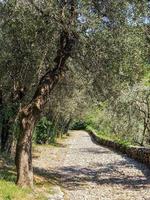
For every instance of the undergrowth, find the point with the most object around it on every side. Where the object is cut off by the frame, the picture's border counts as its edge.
(112, 137)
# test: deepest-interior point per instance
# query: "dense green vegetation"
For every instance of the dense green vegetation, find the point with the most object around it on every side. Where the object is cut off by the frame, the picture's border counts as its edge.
(72, 64)
(44, 132)
(126, 118)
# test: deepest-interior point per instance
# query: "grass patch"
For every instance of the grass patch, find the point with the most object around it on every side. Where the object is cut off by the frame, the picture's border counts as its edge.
(112, 137)
(10, 191)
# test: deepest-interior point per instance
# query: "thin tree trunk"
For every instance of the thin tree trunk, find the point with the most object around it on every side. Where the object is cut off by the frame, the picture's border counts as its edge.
(144, 132)
(67, 126)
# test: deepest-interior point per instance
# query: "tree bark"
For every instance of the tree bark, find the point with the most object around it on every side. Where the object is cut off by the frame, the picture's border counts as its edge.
(6, 139)
(67, 126)
(31, 113)
(1, 111)
(144, 132)
(7, 136)
(28, 118)
(23, 159)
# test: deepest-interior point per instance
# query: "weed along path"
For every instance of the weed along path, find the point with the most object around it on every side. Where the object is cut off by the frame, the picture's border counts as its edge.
(82, 170)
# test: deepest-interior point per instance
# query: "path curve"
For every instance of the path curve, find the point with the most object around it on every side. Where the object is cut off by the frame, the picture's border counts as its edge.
(86, 171)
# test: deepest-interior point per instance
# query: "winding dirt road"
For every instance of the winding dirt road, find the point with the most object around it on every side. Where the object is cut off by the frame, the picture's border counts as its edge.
(83, 170)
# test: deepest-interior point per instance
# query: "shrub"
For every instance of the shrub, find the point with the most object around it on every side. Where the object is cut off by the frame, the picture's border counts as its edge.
(79, 125)
(44, 132)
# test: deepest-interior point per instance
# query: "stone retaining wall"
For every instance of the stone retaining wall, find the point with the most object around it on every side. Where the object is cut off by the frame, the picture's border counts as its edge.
(141, 154)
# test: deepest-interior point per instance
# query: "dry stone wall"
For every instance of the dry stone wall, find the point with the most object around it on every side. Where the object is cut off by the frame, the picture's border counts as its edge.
(141, 154)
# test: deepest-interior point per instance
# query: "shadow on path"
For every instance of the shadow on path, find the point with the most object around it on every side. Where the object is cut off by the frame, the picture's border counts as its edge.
(70, 177)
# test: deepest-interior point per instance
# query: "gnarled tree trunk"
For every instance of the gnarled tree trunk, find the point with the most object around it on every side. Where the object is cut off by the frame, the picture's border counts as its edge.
(28, 117)
(23, 159)
(31, 113)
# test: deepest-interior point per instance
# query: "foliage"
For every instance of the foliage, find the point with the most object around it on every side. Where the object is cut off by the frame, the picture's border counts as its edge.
(112, 46)
(8, 189)
(112, 137)
(105, 81)
(126, 117)
(44, 132)
(79, 125)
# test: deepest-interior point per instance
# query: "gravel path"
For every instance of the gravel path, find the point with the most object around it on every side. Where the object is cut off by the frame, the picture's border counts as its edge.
(86, 171)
